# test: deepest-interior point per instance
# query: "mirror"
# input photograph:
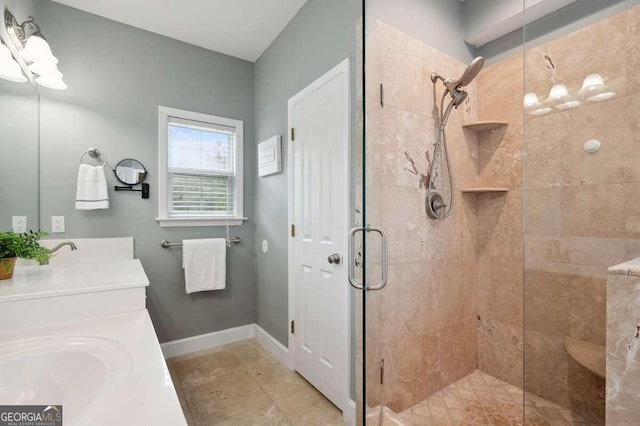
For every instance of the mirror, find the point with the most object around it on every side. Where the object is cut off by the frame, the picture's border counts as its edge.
(130, 172)
(19, 146)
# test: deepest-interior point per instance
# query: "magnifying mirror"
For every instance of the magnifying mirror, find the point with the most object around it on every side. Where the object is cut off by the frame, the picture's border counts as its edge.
(130, 172)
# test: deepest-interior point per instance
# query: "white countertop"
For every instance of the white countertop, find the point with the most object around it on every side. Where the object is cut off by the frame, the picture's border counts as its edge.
(143, 394)
(35, 282)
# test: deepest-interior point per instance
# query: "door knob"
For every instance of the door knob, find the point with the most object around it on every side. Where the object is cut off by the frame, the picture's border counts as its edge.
(334, 258)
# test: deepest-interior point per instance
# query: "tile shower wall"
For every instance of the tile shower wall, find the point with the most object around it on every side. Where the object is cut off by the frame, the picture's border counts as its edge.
(580, 216)
(423, 323)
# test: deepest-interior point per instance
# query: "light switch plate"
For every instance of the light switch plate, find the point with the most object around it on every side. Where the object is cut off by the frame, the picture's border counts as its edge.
(57, 224)
(19, 224)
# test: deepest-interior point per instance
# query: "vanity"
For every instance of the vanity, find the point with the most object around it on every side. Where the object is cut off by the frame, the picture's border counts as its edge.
(77, 333)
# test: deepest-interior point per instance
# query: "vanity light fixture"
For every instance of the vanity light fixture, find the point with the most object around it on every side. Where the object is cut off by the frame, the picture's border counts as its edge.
(31, 45)
(9, 68)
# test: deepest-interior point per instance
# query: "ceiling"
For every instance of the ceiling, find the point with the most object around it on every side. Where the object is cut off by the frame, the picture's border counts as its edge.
(240, 28)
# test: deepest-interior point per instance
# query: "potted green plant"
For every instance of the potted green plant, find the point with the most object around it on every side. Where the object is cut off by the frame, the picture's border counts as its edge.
(25, 246)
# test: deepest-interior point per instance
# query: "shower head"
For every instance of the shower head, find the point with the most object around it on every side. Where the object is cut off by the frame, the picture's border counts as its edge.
(467, 76)
(459, 98)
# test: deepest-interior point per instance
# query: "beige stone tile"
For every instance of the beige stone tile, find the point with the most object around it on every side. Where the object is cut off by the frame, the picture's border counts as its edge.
(500, 224)
(633, 50)
(579, 218)
(548, 150)
(268, 416)
(278, 381)
(500, 288)
(309, 407)
(608, 123)
(226, 397)
(588, 309)
(458, 350)
(543, 212)
(195, 370)
(588, 251)
(547, 302)
(632, 213)
(546, 369)
(500, 350)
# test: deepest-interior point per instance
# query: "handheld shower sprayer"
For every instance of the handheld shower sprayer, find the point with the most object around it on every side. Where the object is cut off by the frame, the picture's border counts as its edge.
(437, 208)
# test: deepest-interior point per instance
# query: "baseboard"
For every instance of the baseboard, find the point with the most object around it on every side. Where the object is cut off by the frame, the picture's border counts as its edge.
(349, 414)
(277, 349)
(207, 341)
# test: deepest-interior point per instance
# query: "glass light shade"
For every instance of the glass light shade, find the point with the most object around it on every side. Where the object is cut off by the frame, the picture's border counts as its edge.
(37, 50)
(558, 94)
(602, 97)
(531, 101)
(9, 68)
(53, 81)
(591, 85)
(540, 111)
(5, 54)
(11, 71)
(569, 104)
(45, 68)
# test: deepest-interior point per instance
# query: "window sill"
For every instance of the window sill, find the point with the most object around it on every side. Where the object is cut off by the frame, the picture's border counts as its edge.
(175, 222)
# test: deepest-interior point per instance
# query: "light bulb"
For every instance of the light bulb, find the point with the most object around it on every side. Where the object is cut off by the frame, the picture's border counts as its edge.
(540, 111)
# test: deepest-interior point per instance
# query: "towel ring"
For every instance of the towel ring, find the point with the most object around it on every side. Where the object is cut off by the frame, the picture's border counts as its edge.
(93, 153)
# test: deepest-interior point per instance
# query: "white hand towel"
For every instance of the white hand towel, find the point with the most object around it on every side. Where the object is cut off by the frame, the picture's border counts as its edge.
(92, 192)
(205, 264)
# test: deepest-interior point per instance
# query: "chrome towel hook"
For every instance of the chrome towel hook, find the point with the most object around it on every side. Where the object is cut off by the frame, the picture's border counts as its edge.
(93, 153)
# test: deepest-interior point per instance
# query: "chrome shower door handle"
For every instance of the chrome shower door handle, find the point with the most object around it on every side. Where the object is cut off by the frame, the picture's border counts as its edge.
(385, 258)
(352, 261)
(385, 272)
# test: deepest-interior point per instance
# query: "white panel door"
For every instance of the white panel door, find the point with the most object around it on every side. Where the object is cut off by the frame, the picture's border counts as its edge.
(319, 208)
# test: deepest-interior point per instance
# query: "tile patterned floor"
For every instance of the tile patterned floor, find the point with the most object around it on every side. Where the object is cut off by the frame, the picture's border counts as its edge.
(243, 384)
(480, 399)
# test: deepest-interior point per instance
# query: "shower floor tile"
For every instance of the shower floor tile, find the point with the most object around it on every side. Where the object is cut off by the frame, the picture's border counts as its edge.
(481, 399)
(243, 384)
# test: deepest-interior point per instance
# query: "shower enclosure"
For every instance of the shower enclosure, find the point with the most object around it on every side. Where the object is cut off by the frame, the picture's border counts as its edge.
(497, 308)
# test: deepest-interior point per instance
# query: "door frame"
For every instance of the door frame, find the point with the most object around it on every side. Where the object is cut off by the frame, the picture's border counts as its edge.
(342, 70)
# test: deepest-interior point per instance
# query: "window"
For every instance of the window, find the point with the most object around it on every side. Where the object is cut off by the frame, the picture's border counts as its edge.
(200, 169)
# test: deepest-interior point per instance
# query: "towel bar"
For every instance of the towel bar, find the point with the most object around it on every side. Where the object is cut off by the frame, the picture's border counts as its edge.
(166, 244)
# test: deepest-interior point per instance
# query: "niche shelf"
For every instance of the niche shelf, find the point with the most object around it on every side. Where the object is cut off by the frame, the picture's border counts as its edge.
(479, 126)
(589, 355)
(484, 190)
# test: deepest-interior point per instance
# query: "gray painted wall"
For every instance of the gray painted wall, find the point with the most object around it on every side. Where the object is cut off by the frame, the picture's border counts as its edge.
(320, 36)
(18, 139)
(117, 76)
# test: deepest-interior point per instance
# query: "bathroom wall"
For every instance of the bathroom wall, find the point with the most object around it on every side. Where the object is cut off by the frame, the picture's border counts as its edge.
(423, 322)
(438, 23)
(18, 138)
(320, 36)
(579, 210)
(117, 76)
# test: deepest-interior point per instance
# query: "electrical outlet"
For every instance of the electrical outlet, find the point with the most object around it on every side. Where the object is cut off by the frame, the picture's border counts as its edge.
(57, 224)
(19, 224)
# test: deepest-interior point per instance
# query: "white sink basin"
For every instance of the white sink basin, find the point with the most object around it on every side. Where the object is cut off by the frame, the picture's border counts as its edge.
(67, 370)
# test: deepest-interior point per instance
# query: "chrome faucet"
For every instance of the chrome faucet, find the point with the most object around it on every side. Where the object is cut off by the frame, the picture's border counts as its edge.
(59, 246)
